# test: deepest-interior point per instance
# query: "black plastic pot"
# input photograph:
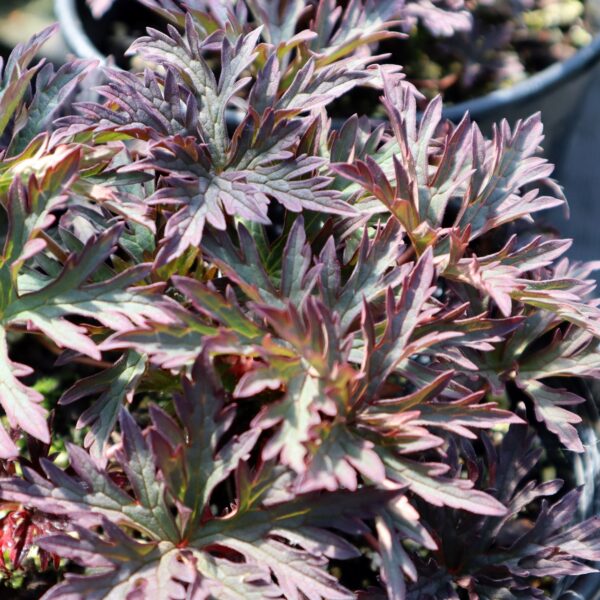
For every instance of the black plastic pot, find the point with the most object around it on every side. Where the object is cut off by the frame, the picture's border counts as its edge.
(76, 23)
(73, 31)
(557, 92)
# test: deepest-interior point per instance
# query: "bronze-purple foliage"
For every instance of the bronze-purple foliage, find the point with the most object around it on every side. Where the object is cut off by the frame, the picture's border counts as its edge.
(308, 345)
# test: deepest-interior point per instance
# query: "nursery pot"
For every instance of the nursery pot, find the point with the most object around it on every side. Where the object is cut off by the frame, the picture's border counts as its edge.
(88, 37)
(73, 31)
(557, 92)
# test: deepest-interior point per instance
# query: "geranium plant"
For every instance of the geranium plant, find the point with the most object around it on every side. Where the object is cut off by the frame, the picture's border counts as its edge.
(308, 363)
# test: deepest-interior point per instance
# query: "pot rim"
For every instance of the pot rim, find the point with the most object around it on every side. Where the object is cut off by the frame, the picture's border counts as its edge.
(535, 85)
(73, 31)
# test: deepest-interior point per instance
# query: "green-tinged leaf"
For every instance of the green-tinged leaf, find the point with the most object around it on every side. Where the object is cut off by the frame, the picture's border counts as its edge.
(402, 319)
(297, 277)
(112, 302)
(224, 310)
(168, 346)
(116, 384)
(374, 271)
(52, 90)
(139, 464)
(394, 558)
(128, 567)
(212, 96)
(339, 459)
(438, 490)
(294, 415)
(21, 403)
(297, 572)
(547, 403)
(204, 468)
